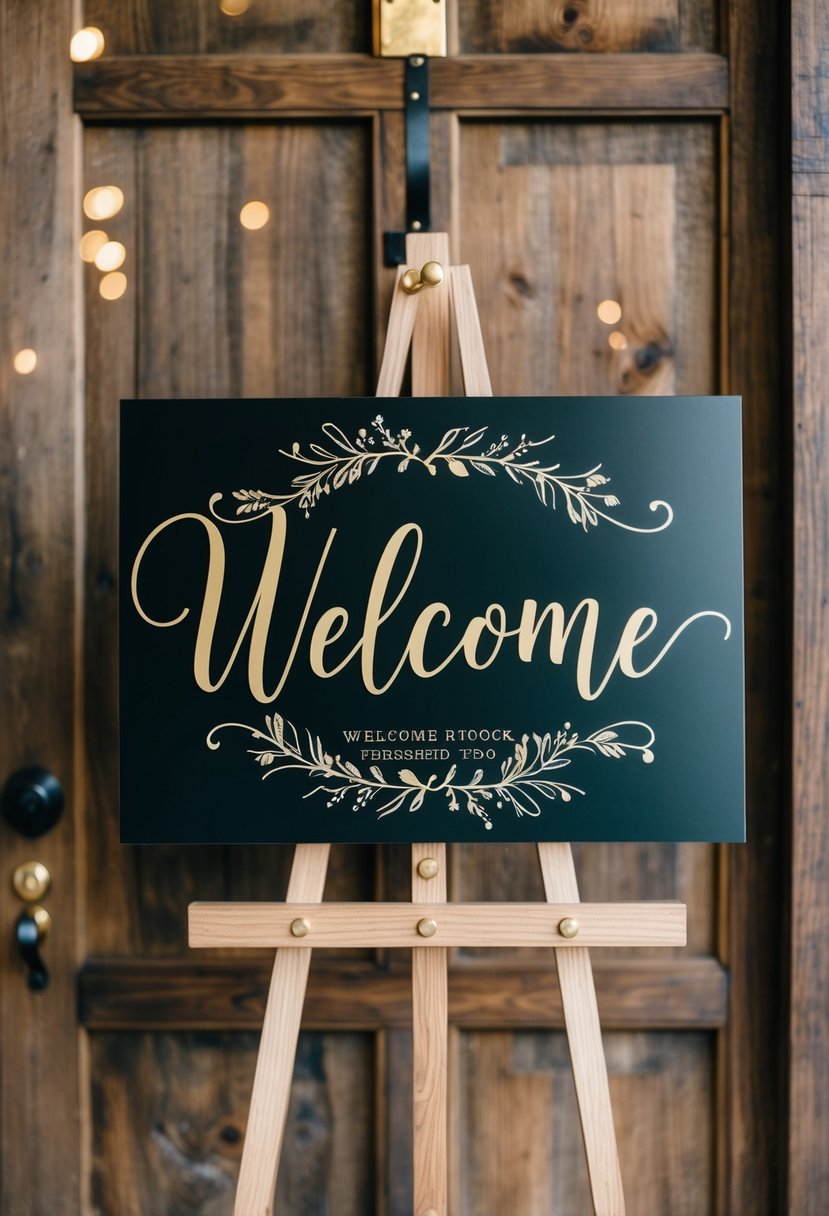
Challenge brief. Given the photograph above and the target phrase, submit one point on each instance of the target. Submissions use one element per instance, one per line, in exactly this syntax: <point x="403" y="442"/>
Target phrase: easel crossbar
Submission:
<point x="398" y="925"/>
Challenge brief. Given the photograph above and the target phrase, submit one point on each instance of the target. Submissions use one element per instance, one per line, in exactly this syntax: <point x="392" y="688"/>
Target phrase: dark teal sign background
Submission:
<point x="507" y="505"/>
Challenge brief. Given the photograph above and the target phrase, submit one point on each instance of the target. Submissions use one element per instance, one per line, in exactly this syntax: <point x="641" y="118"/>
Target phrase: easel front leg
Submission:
<point x="430" y="1018"/>
<point x="584" y="1036"/>
<point x="277" y="1048"/>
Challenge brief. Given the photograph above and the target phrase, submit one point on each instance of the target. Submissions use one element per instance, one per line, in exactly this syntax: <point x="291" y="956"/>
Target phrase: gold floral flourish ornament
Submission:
<point x="525" y="776"/>
<point x="345" y="461"/>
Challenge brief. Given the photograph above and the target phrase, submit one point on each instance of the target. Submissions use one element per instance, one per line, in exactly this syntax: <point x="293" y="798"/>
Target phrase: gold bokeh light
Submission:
<point x="617" y="340"/>
<point x="102" y="202"/>
<point x="254" y="215"/>
<point x="610" y="311"/>
<point x="91" y="243"/>
<point x="234" y="8"/>
<point x="86" y="44"/>
<point x="25" y="361"/>
<point x="113" y="286"/>
<point x="110" y="256"/>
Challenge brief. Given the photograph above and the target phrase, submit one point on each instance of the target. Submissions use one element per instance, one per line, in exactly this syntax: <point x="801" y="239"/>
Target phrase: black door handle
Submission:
<point x="32" y="926"/>
<point x="32" y="800"/>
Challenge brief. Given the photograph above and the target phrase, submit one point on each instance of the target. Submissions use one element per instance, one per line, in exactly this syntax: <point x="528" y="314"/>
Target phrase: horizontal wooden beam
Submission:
<point x="580" y="82"/>
<point x="176" y="87"/>
<point x="230" y="994"/>
<point x="398" y="925"/>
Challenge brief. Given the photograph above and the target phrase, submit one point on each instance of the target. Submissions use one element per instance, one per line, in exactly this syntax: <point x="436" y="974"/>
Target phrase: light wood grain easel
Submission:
<point x="430" y="924"/>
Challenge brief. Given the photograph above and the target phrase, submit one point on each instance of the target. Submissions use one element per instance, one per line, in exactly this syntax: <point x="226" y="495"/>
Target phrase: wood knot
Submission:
<point x="644" y="366"/>
<point x="571" y="26"/>
<point x="519" y="287"/>
<point x="648" y="357"/>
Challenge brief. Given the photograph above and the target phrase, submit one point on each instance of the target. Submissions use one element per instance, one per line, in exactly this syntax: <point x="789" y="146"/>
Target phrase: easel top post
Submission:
<point x="430" y="341"/>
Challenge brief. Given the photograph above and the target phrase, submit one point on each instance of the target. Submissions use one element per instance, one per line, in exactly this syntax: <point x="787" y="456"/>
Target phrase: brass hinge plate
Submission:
<point x="409" y="27"/>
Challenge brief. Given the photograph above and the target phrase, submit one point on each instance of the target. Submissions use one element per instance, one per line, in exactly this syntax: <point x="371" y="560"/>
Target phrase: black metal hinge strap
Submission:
<point x="418" y="184"/>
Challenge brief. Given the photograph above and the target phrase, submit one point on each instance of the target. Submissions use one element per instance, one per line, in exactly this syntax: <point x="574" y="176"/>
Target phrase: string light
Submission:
<point x="110" y="256"/>
<point x="86" y="44"/>
<point x="113" y="286"/>
<point x="254" y="215"/>
<point x="610" y="311"/>
<point x="25" y="361"/>
<point x="617" y="340"/>
<point x="234" y="8"/>
<point x="102" y="202"/>
<point x="91" y="243"/>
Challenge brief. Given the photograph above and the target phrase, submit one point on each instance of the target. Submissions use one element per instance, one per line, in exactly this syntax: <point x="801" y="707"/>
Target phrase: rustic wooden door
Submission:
<point x="582" y="152"/>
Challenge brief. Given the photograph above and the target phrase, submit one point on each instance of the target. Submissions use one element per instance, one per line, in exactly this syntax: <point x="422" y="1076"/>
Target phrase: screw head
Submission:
<point x="427" y="927"/>
<point x="428" y="867"/>
<point x="432" y="274"/>
<point x="300" y="927"/>
<point x="568" y="927"/>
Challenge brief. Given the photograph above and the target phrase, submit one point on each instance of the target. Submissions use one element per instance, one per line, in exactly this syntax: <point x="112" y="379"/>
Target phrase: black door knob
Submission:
<point x="32" y="926"/>
<point x="32" y="800"/>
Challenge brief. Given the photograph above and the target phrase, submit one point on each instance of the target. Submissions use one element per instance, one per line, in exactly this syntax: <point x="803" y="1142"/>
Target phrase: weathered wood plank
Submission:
<point x="275" y="27"/>
<point x="188" y="86"/>
<point x="808" y="1133"/>
<point x="40" y="1095"/>
<point x="558" y="217"/>
<point x="521" y="1142"/>
<point x="248" y="86"/>
<point x="809" y="1007"/>
<point x="751" y="1131"/>
<point x="537" y="26"/>
<point x="394" y="1115"/>
<point x="574" y="82"/>
<point x="171" y="1112"/>
<point x="231" y="994"/>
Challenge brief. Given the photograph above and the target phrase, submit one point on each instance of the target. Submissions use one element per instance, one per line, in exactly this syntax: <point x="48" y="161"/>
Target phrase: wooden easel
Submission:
<point x="429" y="924"/>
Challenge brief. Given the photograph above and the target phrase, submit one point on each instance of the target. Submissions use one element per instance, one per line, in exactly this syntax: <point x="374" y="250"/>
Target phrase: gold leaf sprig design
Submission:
<point x="345" y="461"/>
<point x="525" y="777"/>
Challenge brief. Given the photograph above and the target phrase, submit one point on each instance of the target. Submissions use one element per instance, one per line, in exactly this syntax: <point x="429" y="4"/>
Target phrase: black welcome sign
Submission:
<point x="444" y="619"/>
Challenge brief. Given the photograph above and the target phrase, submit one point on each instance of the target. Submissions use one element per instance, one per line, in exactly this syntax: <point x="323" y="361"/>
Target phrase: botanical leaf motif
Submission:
<point x="525" y="778"/>
<point x="407" y="777"/>
<point x="278" y="728"/>
<point x="344" y="461"/>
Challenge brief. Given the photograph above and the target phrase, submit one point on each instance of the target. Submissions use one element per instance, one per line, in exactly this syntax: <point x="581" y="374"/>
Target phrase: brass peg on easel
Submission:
<point x="431" y="275"/>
